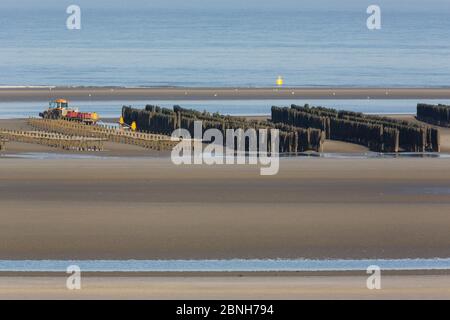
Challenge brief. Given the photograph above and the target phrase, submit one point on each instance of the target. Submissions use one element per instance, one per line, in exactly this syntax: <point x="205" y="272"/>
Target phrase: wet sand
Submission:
<point x="223" y="288"/>
<point x="180" y="93"/>
<point x="151" y="209"/>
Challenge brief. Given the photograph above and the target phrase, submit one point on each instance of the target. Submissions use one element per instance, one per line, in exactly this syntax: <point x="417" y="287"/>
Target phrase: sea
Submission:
<point x="225" y="43"/>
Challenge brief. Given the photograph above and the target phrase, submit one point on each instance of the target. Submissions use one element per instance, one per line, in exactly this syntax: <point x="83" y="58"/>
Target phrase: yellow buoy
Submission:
<point x="121" y="121"/>
<point x="133" y="126"/>
<point x="280" y="81"/>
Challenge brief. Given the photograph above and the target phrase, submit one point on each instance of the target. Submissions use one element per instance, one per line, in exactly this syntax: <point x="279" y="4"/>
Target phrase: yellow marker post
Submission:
<point x="133" y="126"/>
<point x="280" y="81"/>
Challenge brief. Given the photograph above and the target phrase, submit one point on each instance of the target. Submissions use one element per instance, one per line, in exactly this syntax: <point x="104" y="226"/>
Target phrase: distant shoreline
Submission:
<point x="39" y="93"/>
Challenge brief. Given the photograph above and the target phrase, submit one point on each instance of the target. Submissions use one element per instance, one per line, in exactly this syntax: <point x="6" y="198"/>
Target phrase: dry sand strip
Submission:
<point x="223" y="288"/>
<point x="152" y="209"/>
<point x="180" y="93"/>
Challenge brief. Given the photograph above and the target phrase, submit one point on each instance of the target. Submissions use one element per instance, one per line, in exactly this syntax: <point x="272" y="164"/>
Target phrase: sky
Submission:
<point x="332" y="5"/>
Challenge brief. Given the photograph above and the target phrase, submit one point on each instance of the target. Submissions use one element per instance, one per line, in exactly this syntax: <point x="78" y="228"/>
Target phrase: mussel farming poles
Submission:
<point x="54" y="140"/>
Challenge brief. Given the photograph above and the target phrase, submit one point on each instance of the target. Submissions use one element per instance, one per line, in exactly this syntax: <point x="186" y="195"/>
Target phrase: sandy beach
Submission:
<point x="151" y="209"/>
<point x="230" y="287"/>
<point x="131" y="203"/>
<point x="138" y="205"/>
<point x="180" y="93"/>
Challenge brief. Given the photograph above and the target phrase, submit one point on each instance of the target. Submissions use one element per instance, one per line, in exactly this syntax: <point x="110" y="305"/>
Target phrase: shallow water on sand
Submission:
<point x="113" y="109"/>
<point x="367" y="155"/>
<point x="222" y="265"/>
<point x="52" y="156"/>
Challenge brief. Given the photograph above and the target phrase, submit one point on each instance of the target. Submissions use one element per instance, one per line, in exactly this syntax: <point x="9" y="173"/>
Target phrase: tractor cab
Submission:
<point x="58" y="104"/>
<point x="57" y="109"/>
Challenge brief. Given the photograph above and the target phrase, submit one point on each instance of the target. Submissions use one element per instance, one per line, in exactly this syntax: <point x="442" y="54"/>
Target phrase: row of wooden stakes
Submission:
<point x="145" y="140"/>
<point x="3" y="144"/>
<point x="54" y="140"/>
<point x="380" y="134"/>
<point x="434" y="114"/>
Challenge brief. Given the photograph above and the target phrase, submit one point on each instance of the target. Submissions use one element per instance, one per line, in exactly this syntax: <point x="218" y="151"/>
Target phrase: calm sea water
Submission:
<point x="226" y="46"/>
<point x="113" y="109"/>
